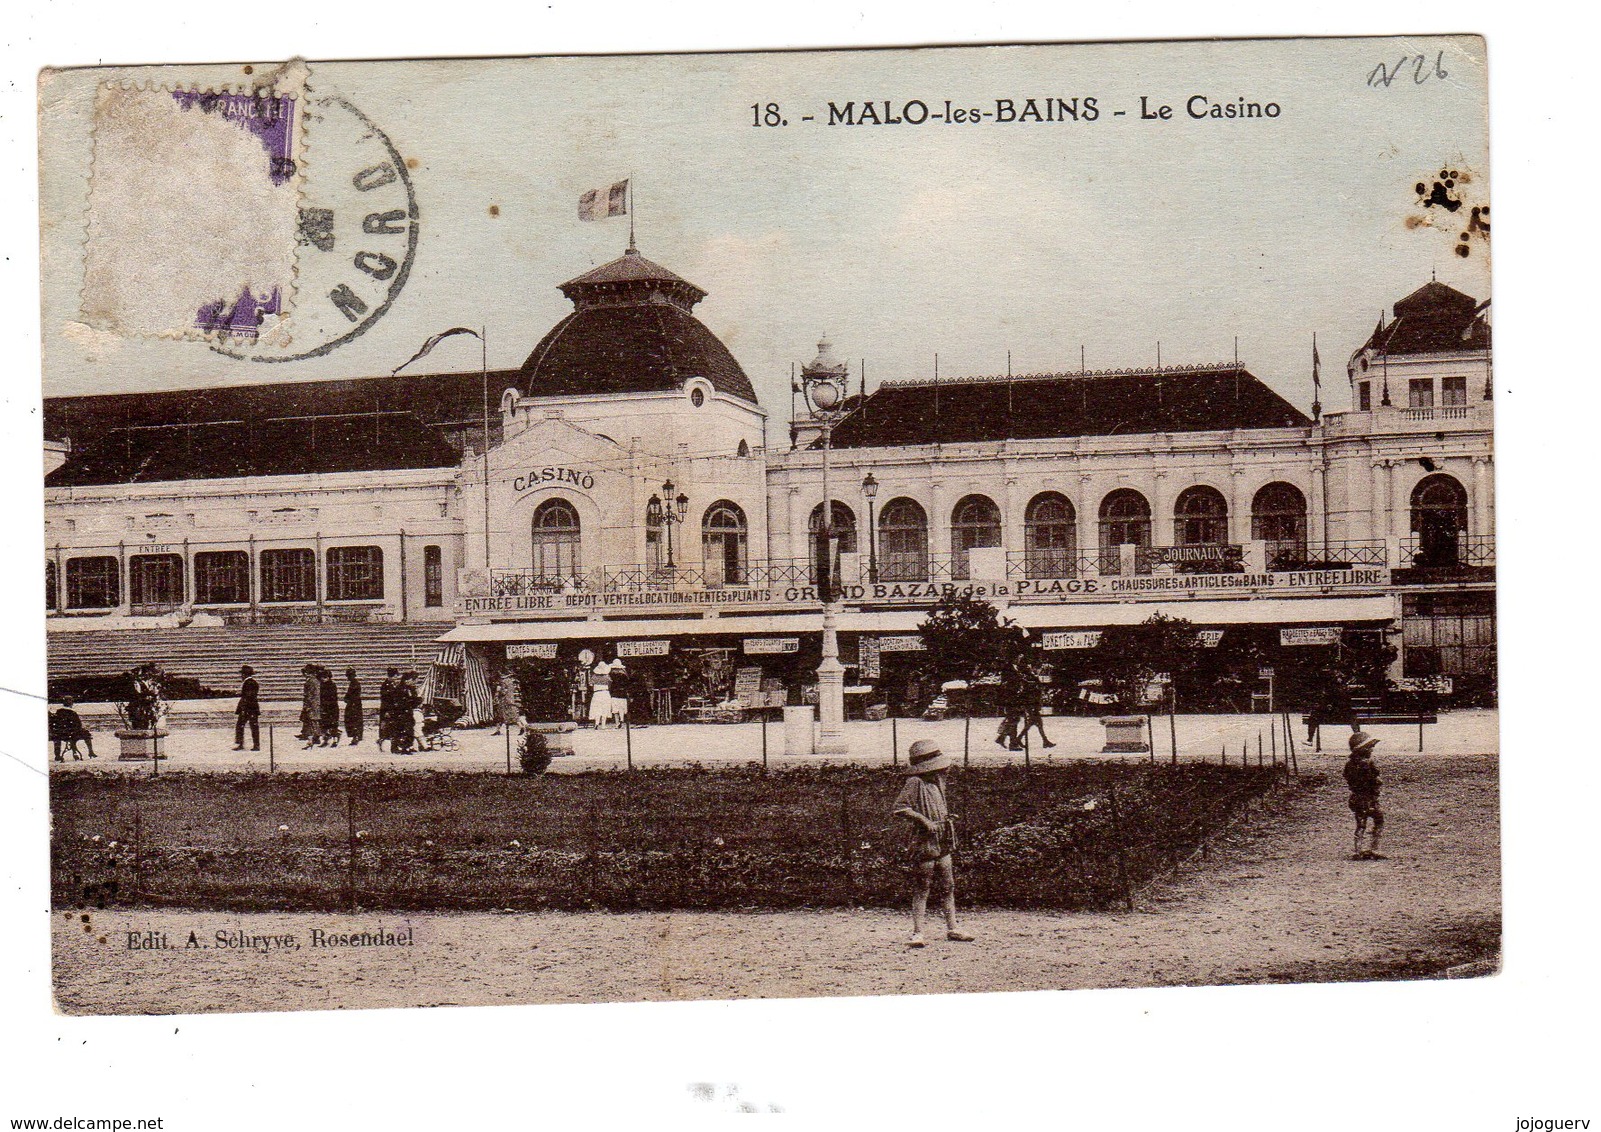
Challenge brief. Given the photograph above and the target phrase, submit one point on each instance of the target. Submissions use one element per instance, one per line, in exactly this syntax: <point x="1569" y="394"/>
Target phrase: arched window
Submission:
<point x="1125" y="520"/>
<point x="723" y="543"/>
<point x="743" y="449"/>
<point x="1278" y="518"/>
<point x="903" y="541"/>
<point x="557" y="543"/>
<point x="1439" y="520"/>
<point x="844" y="533"/>
<point x="975" y="523"/>
<point x="1050" y="544"/>
<point x="1200" y="517"/>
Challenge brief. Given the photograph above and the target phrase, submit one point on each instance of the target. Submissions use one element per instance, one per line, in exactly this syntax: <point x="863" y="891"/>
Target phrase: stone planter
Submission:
<point x="1125" y="735"/>
<point x="141" y="744"/>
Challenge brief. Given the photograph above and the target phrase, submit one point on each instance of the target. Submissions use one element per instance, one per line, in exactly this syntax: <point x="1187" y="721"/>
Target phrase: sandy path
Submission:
<point x="1279" y="903"/>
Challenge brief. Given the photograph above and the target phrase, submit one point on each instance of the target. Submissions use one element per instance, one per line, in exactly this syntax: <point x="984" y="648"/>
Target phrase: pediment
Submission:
<point x="556" y="441"/>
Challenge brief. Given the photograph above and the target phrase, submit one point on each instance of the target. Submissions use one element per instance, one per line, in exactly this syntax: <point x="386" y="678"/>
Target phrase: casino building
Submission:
<point x="623" y="492"/>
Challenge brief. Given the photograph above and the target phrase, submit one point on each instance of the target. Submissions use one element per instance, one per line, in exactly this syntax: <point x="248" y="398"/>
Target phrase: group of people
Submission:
<point x="1022" y="699"/>
<point x="320" y="714"/>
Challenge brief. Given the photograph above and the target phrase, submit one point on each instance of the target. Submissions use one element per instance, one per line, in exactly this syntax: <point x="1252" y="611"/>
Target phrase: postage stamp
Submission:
<point x="193" y="209"/>
<point x="814" y="523"/>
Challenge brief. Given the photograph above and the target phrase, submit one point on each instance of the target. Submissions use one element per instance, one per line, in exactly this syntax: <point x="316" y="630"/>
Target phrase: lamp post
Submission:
<point x="824" y="384"/>
<point x="870" y="492"/>
<point x="667" y="510"/>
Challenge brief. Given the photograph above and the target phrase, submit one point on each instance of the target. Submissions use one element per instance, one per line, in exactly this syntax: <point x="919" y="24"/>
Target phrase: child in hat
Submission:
<point x="922" y="803"/>
<point x="1363" y="779"/>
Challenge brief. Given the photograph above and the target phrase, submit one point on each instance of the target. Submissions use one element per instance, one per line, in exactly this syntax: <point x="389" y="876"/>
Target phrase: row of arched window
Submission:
<point x="1050" y="530"/>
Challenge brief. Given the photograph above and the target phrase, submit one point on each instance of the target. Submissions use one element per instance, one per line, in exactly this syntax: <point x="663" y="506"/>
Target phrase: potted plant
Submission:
<point x="143" y="710"/>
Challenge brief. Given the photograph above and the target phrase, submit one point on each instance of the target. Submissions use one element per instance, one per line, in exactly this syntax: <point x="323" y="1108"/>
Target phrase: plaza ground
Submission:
<point x="209" y="746"/>
<point x="1278" y="900"/>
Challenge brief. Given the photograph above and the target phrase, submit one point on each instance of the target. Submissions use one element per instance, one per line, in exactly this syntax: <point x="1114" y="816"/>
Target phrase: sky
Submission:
<point x="899" y="242"/>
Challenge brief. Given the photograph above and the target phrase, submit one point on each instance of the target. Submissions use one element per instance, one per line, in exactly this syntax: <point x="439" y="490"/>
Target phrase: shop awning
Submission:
<point x="892" y="621"/>
<point x="1062" y="615"/>
<point x="1236" y="611"/>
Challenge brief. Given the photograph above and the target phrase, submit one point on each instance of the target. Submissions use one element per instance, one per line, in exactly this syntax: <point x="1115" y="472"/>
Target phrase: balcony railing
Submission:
<point x="1051" y="564"/>
<point x="1448" y="553"/>
<point x="1289" y="554"/>
<point x="1436" y="413"/>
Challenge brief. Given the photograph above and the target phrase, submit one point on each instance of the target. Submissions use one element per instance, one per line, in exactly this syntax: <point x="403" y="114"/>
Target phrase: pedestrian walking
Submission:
<point x="354" y="726"/>
<point x="403" y="704"/>
<point x="66" y="727"/>
<point x="921" y="803"/>
<point x="311" y="707"/>
<point x="508" y="702"/>
<point x="1031" y="702"/>
<point x="329" y="691"/>
<point x="1363" y="779"/>
<point x="386" y="708"/>
<point x="1011" y="714"/>
<point x="247" y="712"/>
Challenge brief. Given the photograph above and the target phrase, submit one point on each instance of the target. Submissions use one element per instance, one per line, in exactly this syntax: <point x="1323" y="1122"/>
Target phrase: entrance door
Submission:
<point x="156" y="580"/>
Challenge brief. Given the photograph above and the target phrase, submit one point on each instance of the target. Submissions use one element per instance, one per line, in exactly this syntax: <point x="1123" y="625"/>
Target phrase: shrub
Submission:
<point x="534" y="753"/>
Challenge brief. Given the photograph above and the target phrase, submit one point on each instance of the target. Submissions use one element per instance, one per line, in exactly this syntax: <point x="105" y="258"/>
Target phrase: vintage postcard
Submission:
<point x="593" y="529"/>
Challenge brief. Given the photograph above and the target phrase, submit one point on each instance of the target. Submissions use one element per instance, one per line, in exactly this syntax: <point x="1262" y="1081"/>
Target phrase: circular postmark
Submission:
<point x="357" y="237"/>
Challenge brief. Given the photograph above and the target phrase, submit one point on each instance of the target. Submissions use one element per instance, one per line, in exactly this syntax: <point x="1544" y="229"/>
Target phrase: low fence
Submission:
<point x="1080" y="836"/>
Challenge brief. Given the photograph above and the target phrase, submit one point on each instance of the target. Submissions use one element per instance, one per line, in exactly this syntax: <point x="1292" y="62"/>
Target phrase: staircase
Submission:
<point x="276" y="652"/>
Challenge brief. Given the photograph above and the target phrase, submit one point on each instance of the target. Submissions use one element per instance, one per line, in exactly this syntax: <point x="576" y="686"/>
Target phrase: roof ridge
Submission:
<point x="1146" y="371"/>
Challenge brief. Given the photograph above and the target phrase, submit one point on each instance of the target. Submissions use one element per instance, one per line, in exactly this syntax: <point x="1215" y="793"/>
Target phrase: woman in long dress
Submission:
<point x="600" y="695"/>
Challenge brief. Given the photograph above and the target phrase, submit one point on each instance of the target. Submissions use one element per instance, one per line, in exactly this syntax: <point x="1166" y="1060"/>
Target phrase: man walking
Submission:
<point x="386" y="708"/>
<point x="1363" y="779"/>
<point x="1031" y="702"/>
<point x="248" y="711"/>
<point x="921" y="803"/>
<point x="353" y="722"/>
<point x="329" y="692"/>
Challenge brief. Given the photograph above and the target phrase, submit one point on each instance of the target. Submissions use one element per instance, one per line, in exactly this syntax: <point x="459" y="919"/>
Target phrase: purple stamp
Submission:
<point x="194" y="211"/>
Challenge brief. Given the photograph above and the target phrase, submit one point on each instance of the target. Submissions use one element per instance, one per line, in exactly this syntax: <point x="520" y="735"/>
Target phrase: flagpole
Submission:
<point x="631" y="245"/>
<point x="483" y="361"/>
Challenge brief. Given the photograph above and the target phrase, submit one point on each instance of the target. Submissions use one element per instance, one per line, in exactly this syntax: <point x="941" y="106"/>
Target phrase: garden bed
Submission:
<point x="1080" y="836"/>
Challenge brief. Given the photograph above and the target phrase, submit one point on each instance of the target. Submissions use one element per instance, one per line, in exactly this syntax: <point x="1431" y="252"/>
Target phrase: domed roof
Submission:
<point x="631" y="331"/>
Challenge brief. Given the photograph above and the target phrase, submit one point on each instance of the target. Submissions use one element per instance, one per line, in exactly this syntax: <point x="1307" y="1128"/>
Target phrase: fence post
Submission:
<point x="1273" y="738"/>
<point x="967" y="722"/>
<point x="628" y="742"/>
<point x="508" y="750"/>
<point x="1122" y="848"/>
<point x="1294" y="763"/>
<point x="1259" y="749"/>
<point x="350" y="833"/>
<point x="1150" y="736"/>
<point x="894" y="741"/>
<point x="1027" y="744"/>
<point x="762" y="723"/>
<point x="272" y="754"/>
<point x="138" y="836"/>
<point x="1172" y="724"/>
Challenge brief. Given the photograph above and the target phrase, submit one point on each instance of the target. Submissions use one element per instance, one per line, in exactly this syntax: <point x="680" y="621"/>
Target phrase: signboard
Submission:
<point x="533" y="650"/>
<point x="643" y="648"/>
<point x="1317" y="635"/>
<point x="867" y="667"/>
<point x="1073" y="639"/>
<point x="1028" y="590"/>
<point x="545" y="477"/>
<point x="748" y="685"/>
<point x="901" y="644"/>
<point x="1209" y="638"/>
<point x="755" y="646"/>
<point x="1171" y="555"/>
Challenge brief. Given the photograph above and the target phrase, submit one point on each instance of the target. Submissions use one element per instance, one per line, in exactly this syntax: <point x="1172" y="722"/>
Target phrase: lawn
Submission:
<point x="1078" y="836"/>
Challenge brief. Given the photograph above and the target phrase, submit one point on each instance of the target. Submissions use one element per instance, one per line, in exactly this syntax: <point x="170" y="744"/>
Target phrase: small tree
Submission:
<point x="1133" y="655"/>
<point x="967" y="639"/>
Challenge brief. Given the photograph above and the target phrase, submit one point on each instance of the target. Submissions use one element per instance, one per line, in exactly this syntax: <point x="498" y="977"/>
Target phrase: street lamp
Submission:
<point x="824" y="385"/>
<point x="665" y="510"/>
<point x="870" y="491"/>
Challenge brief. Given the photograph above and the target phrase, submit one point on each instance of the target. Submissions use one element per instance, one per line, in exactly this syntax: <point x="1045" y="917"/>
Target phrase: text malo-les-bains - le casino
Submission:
<point x="1051" y="110"/>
